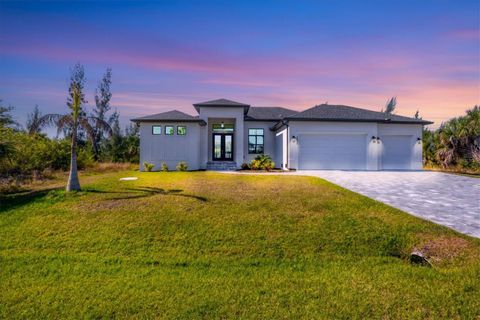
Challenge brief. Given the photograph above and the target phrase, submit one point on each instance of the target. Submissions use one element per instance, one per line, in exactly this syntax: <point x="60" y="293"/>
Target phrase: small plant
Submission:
<point x="164" y="167"/>
<point x="262" y="162"/>
<point x="148" y="166"/>
<point x="245" y="166"/>
<point x="182" y="166"/>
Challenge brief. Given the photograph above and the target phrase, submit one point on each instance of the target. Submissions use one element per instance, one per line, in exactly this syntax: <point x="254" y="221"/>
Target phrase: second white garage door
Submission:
<point x="396" y="152"/>
<point x="332" y="151"/>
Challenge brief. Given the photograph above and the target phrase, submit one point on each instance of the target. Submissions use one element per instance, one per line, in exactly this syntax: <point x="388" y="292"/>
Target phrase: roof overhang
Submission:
<point x="221" y="103"/>
<point x="423" y="122"/>
<point x="198" y="106"/>
<point x="199" y="121"/>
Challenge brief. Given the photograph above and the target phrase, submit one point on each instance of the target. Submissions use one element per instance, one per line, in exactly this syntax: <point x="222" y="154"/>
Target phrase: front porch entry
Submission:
<point x="222" y="147"/>
<point x="222" y="141"/>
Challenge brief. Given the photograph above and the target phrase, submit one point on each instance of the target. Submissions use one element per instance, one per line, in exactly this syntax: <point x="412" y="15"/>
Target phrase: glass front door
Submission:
<point x="222" y="147"/>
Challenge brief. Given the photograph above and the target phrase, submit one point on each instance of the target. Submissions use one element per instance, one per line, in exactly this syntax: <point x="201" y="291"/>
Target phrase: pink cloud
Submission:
<point x="468" y="34"/>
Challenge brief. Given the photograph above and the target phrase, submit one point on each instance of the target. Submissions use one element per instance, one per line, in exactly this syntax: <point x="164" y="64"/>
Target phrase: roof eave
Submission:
<point x="268" y="120"/>
<point x="167" y="120"/>
<point x="423" y="122"/>
<point x="197" y="106"/>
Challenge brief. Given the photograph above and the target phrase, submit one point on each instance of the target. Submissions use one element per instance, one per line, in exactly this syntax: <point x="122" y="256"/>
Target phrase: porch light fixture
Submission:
<point x="222" y="125"/>
<point x="419" y="140"/>
<point x="375" y="139"/>
<point x="294" y="139"/>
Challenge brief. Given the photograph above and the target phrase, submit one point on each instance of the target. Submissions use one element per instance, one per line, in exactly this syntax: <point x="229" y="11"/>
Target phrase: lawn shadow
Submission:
<point x="19" y="199"/>
<point x="144" y="192"/>
<point x="15" y="200"/>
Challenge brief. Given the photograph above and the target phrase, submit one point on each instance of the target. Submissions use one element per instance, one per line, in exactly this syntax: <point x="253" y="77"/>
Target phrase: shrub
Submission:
<point x="262" y="162"/>
<point x="25" y="154"/>
<point x="255" y="165"/>
<point x="164" y="167"/>
<point x="85" y="159"/>
<point x="182" y="166"/>
<point x="245" y="166"/>
<point x="148" y="166"/>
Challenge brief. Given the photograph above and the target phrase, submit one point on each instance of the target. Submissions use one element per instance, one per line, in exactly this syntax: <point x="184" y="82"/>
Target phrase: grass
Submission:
<point x="472" y="173"/>
<point x="207" y="245"/>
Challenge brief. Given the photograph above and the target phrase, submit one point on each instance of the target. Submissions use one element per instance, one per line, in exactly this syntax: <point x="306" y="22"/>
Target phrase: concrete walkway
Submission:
<point x="447" y="199"/>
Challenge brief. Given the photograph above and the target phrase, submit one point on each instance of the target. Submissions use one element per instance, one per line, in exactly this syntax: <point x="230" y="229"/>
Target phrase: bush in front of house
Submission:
<point x="262" y="162"/>
<point x="148" y="166"/>
<point x="164" y="167"/>
<point x="182" y="166"/>
<point x="245" y="166"/>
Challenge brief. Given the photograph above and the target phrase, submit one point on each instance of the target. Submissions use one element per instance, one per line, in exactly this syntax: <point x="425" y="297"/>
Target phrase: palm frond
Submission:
<point x="65" y="121"/>
<point x="60" y="121"/>
<point x="87" y="127"/>
<point x="100" y="124"/>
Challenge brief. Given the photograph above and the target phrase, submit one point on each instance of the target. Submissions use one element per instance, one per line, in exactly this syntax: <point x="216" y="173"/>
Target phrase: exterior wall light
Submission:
<point x="222" y="125"/>
<point x="419" y="140"/>
<point x="375" y="139"/>
<point x="294" y="139"/>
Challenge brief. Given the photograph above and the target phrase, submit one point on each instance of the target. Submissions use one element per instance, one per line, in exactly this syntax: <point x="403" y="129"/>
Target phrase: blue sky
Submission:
<point x="296" y="54"/>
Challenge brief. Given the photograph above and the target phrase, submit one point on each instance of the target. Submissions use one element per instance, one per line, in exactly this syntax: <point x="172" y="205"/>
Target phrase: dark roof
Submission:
<point x="327" y="112"/>
<point x="173" y="115"/>
<point x="268" y="113"/>
<point x="221" y="103"/>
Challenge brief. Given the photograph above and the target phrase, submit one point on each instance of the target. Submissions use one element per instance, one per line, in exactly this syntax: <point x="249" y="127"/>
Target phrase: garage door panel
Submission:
<point x="332" y="151"/>
<point x="396" y="152"/>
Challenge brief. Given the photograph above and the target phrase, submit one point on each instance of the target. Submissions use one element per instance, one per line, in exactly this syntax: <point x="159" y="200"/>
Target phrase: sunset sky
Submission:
<point x="295" y="54"/>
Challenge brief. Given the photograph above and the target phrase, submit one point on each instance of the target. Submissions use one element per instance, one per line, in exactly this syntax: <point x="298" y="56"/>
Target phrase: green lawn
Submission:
<point x="208" y="245"/>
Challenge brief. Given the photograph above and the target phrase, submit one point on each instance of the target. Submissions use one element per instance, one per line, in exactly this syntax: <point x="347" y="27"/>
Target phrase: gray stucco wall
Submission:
<point x="374" y="150"/>
<point x="269" y="138"/>
<point x="237" y="116"/>
<point x="170" y="149"/>
<point x="195" y="147"/>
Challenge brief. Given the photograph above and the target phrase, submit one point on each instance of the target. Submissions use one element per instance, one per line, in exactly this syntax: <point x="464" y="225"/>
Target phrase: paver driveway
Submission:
<point x="447" y="199"/>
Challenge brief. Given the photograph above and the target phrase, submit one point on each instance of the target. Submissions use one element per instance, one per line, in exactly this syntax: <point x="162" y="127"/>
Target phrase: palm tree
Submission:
<point x="74" y="121"/>
<point x="33" y="126"/>
<point x="390" y="106"/>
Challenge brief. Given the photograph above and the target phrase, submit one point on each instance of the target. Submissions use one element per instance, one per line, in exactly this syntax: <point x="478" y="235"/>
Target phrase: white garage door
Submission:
<point x="332" y="151"/>
<point x="396" y="152"/>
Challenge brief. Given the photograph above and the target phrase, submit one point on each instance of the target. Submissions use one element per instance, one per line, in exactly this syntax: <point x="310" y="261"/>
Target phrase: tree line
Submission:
<point x="83" y="137"/>
<point x="455" y="144"/>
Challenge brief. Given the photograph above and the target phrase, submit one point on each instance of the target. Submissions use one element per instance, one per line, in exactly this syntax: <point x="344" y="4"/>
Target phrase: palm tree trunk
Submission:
<point x="73" y="182"/>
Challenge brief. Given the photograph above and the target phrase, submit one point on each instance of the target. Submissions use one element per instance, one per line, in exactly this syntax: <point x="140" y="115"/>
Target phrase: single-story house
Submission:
<point x="226" y="134"/>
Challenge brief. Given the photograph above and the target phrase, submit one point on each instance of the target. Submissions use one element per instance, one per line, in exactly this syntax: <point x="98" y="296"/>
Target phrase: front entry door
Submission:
<point x="222" y="147"/>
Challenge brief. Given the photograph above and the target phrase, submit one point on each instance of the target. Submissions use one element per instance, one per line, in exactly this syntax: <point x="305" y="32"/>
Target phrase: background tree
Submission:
<point x="75" y="120"/>
<point x="417" y="115"/>
<point x="6" y="119"/>
<point x="132" y="143"/>
<point x="456" y="143"/>
<point x="103" y="96"/>
<point x="390" y="106"/>
<point x="115" y="143"/>
<point x="33" y="121"/>
<point x="7" y="134"/>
